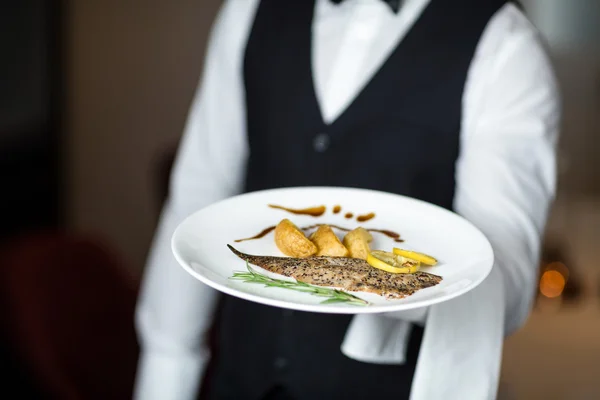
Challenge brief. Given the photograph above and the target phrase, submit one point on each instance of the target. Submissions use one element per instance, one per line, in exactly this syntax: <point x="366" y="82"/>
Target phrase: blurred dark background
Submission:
<point x="31" y="110"/>
<point x="93" y="99"/>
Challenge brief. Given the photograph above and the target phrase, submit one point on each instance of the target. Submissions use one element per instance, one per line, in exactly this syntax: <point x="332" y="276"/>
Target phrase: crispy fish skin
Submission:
<point x="350" y="274"/>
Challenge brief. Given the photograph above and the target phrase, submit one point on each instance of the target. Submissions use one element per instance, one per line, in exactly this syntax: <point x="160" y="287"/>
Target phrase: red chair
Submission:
<point x="67" y="314"/>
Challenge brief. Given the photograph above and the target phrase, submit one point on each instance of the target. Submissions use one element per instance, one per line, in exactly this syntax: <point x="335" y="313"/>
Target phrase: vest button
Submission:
<point x="321" y="142"/>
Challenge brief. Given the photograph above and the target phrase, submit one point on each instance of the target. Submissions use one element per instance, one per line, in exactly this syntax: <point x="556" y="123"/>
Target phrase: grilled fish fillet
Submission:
<point x="350" y="274"/>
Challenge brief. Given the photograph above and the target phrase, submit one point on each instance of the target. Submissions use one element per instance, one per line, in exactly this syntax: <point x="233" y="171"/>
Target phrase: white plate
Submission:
<point x="200" y="243"/>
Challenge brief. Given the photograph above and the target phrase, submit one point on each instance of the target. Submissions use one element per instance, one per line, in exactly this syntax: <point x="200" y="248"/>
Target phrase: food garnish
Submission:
<point x="414" y="255"/>
<point x="333" y="295"/>
<point x="391" y="262"/>
<point x="292" y="242"/>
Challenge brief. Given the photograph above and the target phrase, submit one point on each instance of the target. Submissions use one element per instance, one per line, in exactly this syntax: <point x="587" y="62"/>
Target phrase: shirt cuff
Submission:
<point x="166" y="377"/>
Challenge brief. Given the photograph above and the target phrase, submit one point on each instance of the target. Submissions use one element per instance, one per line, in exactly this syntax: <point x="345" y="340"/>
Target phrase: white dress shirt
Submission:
<point x="505" y="182"/>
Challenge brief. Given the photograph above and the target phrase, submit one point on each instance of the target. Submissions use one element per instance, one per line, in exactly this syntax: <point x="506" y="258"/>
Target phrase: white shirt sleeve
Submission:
<point x="174" y="310"/>
<point x="506" y="172"/>
<point x="505" y="184"/>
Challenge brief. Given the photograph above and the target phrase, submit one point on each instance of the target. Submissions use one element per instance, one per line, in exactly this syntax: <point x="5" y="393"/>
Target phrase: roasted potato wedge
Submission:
<point x="292" y="241"/>
<point x="328" y="243"/>
<point x="357" y="242"/>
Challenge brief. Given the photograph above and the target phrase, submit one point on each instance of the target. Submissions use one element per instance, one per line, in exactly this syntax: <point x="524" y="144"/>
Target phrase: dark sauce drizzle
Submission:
<point x="366" y="217"/>
<point x="313" y="211"/>
<point x="317" y="212"/>
<point x="386" y="232"/>
<point x="259" y="235"/>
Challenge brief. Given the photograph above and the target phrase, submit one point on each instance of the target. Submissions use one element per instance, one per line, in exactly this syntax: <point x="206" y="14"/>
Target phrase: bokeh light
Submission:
<point x="553" y="280"/>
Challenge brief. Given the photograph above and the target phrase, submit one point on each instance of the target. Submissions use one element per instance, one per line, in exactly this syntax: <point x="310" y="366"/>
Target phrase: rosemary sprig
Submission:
<point x="333" y="295"/>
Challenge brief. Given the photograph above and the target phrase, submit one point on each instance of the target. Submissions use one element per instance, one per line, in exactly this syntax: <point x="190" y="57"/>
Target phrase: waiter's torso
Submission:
<point x="399" y="134"/>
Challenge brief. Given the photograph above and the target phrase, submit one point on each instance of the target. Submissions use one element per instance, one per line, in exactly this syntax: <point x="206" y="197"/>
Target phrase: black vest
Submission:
<point x="400" y="134"/>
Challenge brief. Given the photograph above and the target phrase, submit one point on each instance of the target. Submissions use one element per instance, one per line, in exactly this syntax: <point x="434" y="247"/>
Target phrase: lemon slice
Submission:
<point x="391" y="262"/>
<point x="424" y="258"/>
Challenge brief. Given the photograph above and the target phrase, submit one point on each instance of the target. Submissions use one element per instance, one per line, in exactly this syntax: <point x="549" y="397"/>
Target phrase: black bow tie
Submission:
<point x="394" y="4"/>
